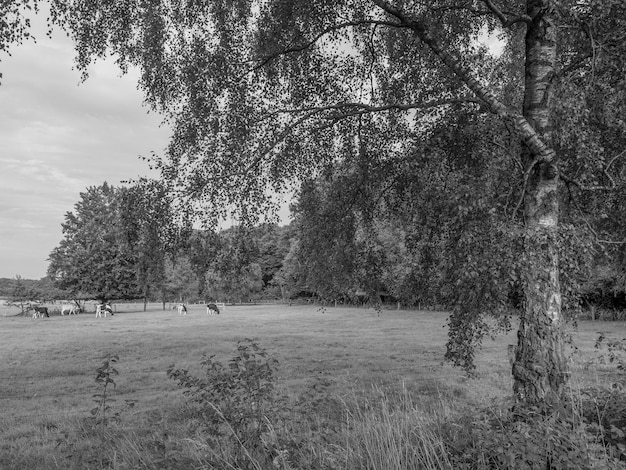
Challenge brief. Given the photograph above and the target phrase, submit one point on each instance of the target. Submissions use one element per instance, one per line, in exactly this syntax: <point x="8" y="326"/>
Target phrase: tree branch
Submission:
<point x="605" y="170"/>
<point x="311" y="42"/>
<point x="591" y="229"/>
<point x="574" y="64"/>
<point x="506" y="22"/>
<point x="525" y="130"/>
<point x="525" y="183"/>
<point x="365" y="108"/>
<point x="257" y="161"/>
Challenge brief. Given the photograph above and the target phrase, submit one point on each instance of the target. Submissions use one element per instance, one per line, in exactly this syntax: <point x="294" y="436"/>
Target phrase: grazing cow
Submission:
<point x="103" y="308"/>
<point x="70" y="309"/>
<point x="39" y="312"/>
<point x="211" y="309"/>
<point x="182" y="309"/>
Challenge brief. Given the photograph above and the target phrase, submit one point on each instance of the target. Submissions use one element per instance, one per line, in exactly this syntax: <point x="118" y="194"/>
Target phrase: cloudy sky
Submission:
<point x="58" y="137"/>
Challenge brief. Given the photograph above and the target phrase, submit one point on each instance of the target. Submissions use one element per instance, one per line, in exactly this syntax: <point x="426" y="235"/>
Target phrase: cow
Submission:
<point x="182" y="309"/>
<point x="70" y="309"/>
<point x="39" y="312"/>
<point x="211" y="309"/>
<point x="103" y="308"/>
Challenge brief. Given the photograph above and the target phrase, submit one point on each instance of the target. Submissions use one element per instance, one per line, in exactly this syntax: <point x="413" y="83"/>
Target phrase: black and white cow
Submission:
<point x="103" y="308"/>
<point x="182" y="309"/>
<point x="212" y="309"/>
<point x="39" y="312"/>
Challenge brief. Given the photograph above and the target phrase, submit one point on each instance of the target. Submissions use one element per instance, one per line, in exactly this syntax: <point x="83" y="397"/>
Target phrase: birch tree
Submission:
<point x="262" y="93"/>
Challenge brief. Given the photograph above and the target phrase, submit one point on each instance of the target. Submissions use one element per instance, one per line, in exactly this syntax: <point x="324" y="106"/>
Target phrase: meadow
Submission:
<point x="336" y="358"/>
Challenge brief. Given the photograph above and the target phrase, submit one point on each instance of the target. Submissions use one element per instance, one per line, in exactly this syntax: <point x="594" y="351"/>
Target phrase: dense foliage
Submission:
<point x="93" y="260"/>
<point x="128" y="243"/>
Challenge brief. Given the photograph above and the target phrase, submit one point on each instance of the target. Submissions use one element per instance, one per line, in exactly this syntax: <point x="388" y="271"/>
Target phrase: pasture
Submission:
<point x="48" y="365"/>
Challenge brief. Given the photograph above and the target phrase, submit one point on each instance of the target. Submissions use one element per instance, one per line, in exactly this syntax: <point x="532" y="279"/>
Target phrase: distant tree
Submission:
<point x="181" y="279"/>
<point x="326" y="228"/>
<point x="273" y="243"/>
<point x="235" y="273"/>
<point x="93" y="259"/>
<point x="20" y="295"/>
<point x="6" y="286"/>
<point x="290" y="278"/>
<point x="47" y="290"/>
<point x="236" y="284"/>
<point x="202" y="249"/>
<point x="40" y="288"/>
<point x="348" y="242"/>
<point x="150" y="234"/>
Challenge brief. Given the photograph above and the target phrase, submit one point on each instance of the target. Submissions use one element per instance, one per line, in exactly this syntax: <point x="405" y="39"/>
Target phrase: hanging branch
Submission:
<point x="605" y="170"/>
<point x="291" y="50"/>
<point x="423" y="31"/>
<point x="506" y="22"/>
<point x="591" y="229"/>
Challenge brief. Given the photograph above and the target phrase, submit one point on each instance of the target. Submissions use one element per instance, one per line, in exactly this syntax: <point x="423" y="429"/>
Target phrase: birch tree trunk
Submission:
<point x="539" y="370"/>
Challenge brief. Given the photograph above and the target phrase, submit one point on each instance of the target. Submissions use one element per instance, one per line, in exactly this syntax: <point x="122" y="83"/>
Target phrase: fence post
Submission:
<point x="593" y="313"/>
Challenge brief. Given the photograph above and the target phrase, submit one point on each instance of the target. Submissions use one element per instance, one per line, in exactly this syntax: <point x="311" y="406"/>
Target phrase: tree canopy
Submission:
<point x="262" y="93"/>
<point x="90" y="261"/>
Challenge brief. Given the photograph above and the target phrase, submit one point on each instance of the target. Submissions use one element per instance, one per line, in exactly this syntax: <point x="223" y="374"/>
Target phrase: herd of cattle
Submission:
<point x="211" y="308"/>
<point x="71" y="309"/>
<point x="106" y="309"/>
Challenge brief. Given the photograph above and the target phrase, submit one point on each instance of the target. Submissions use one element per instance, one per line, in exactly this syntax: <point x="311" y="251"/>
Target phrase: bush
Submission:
<point x="237" y="403"/>
<point x="605" y="414"/>
<point x="604" y="409"/>
<point x="531" y="439"/>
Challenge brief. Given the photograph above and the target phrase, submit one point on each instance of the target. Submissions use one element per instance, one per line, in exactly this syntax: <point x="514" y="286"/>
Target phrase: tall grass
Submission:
<point x="385" y="431"/>
<point x="387" y="434"/>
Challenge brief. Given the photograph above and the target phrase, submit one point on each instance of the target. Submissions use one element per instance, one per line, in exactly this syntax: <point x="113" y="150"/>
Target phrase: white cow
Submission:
<point x="182" y="309"/>
<point x="70" y="309"/>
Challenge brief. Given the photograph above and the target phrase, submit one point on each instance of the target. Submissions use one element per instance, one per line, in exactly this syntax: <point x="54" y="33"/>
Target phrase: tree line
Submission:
<point x="348" y="243"/>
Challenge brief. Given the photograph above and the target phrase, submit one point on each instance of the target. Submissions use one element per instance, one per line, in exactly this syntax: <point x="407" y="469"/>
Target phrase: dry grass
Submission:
<point x="48" y="369"/>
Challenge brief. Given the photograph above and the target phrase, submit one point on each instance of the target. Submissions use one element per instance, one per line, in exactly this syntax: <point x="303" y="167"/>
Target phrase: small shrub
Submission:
<point x="554" y="438"/>
<point x="615" y="352"/>
<point x="604" y="409"/>
<point x="236" y="402"/>
<point x="104" y="376"/>
<point x="605" y="414"/>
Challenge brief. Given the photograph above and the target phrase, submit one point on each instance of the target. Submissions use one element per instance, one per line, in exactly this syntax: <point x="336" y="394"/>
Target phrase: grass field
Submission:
<point x="48" y="366"/>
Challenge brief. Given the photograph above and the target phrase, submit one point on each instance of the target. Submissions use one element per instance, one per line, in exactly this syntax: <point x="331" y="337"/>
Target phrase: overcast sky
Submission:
<point x="58" y="137"/>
